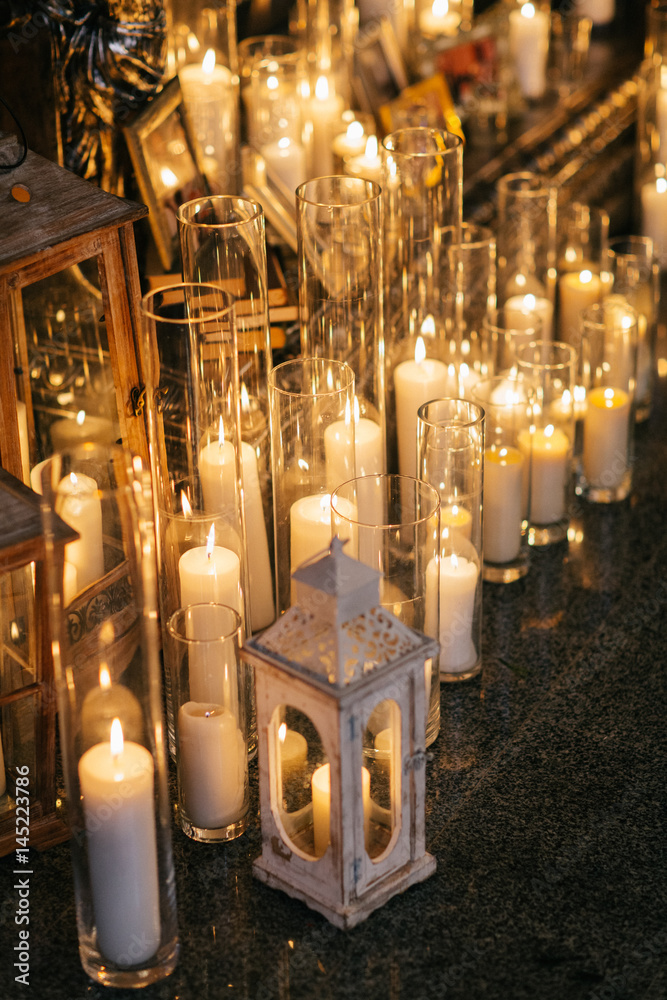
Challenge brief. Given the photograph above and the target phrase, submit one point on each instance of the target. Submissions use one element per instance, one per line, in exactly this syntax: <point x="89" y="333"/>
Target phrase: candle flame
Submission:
<point x="325" y="503"/>
<point x="185" y="505"/>
<point x="245" y="398"/>
<point x="355" y="130"/>
<point x="440" y="8"/>
<point x="371" y="150"/>
<point x="585" y="277"/>
<point x="454" y="560"/>
<point x="105" y="677"/>
<point x="420" y="350"/>
<point x="221" y="433"/>
<point x="208" y="62"/>
<point x="661" y="185"/>
<point x="168" y="177"/>
<point x="285" y="142"/>
<point x="529" y="302"/>
<point x="116" y="738"/>
<point x="210" y="542"/>
<point x="357" y="411"/>
<point x="548" y="430"/>
<point x="272" y="82"/>
<point x="528" y="10"/>
<point x="282" y="732"/>
<point x="609" y="397"/>
<point x="322" y="88"/>
<point x="428" y="326"/>
<point x="80" y="417"/>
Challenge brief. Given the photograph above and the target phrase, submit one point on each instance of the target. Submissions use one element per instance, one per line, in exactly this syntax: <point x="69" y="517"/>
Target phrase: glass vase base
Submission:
<point x="605" y="494"/>
<point x="506" y="572"/>
<point x="212" y="836"/>
<point x="451" y="676"/>
<point x="547" y="534"/>
<point x="131" y="978"/>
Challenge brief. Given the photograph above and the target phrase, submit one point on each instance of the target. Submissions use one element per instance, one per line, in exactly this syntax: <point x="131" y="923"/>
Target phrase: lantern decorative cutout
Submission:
<point x="340" y="720"/>
<point x="27" y="698"/>
<point x="68" y="348"/>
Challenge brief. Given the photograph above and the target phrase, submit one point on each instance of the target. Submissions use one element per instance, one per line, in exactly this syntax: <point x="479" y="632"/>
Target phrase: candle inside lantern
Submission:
<point x="117" y="788"/>
<point x="79" y="506"/>
<point x="77" y="429"/>
<point x="321" y="790"/>
<point x="211" y="765"/>
<point x="503" y="474"/>
<point x="606" y="427"/>
<point x="293" y="751"/>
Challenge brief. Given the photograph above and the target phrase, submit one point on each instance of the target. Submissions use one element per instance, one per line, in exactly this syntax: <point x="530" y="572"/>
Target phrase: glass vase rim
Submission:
<point x="514" y="378"/>
<point x="485" y="237"/>
<point x="425" y="490"/>
<point x="606" y="308"/>
<point x="344" y="368"/>
<point x="256" y="213"/>
<point x="472" y="422"/>
<point x="372" y="189"/>
<point x="195" y="640"/>
<point x="453" y="142"/>
<point x="631" y="240"/>
<point x="552" y="346"/>
<point x="219" y="313"/>
<point x="539" y="185"/>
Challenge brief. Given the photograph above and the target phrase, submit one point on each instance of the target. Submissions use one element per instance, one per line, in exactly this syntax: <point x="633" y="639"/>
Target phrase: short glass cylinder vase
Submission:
<point x="450" y="454"/>
<point x="339" y="229"/>
<point x="392" y="523"/>
<point x="548" y="445"/>
<point x="313" y="451"/>
<point x="507" y="401"/>
<point x="211" y="688"/>
<point x="607" y="371"/>
<point x="106" y="658"/>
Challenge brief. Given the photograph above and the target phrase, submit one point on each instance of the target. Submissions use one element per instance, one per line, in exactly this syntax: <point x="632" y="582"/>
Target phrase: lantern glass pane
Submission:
<point x="382" y="752"/>
<point x="298" y="753"/>
<point x="17" y="630"/>
<point x="18" y="757"/>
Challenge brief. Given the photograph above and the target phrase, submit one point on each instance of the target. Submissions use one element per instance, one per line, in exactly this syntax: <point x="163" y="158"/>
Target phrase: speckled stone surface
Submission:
<point x="546" y="813"/>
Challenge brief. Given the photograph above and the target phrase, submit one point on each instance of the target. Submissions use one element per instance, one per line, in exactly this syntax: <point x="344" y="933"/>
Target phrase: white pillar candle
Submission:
<point x="529" y="45"/>
<point x="321" y="791"/>
<point x="520" y="311"/>
<point x="606" y="427"/>
<point x="455" y="520"/>
<point x="286" y="159"/>
<point x="438" y="20"/>
<point x="310" y="528"/>
<point x="324" y="111"/>
<point x="350" y="143"/>
<point x="24" y="441"/>
<point x="105" y="703"/>
<point x="211" y="765"/>
<point x="547" y="454"/>
<point x="79" y="506"/>
<point x="293" y="750"/>
<point x="209" y="96"/>
<point x="416" y="382"/>
<point x="210" y="574"/>
<point x="368" y="458"/>
<point x="71" y="431"/>
<point x="457" y="579"/>
<point x="503" y="472"/>
<point x="654" y="216"/>
<point x="217" y="471"/>
<point x="576" y="291"/>
<point x="117" y="780"/>
<point x="368" y="164"/>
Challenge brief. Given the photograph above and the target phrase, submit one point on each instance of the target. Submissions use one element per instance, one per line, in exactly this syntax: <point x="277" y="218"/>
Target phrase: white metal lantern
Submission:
<point x="340" y="720"/>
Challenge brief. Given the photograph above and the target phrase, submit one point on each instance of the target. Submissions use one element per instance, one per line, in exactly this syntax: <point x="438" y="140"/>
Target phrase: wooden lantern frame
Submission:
<point x="52" y="220"/>
<point x="22" y="543"/>
<point x="345" y="884"/>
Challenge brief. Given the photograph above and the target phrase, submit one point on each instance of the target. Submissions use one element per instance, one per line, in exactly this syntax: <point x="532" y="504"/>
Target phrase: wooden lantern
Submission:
<point x="27" y="697"/>
<point x="53" y="220"/>
<point x="341" y="737"/>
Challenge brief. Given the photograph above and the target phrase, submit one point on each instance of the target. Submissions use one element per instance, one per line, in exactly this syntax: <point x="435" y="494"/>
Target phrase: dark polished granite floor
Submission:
<point x="546" y="813"/>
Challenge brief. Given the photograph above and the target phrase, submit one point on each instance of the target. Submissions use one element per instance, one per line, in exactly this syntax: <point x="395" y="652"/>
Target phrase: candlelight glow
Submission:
<point x="80" y="417"/>
<point x="355" y="130"/>
<point x="371" y="147"/>
<point x="210" y="542"/>
<point x="420" y="350"/>
<point x="221" y="433"/>
<point x="585" y="277"/>
<point x="185" y="505"/>
<point x="528" y="10"/>
<point x="322" y="88"/>
<point x="548" y="430"/>
<point x="282" y="732"/>
<point x="168" y="177"/>
<point x="245" y="398"/>
<point x="105" y="677"/>
<point x="116" y="738"/>
<point x="272" y="82"/>
<point x="208" y="62"/>
<point x="284" y="142"/>
<point x="661" y="185"/>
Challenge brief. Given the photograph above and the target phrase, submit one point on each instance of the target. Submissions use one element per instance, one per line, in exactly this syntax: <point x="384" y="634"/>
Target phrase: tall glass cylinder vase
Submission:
<point x="583" y="276"/>
<point x="650" y="176"/>
<point x="634" y="273"/>
<point x="526" y="228"/>
<point x="223" y="241"/>
<point x="204" y="52"/>
<point x="313" y="449"/>
<point x="392" y="524"/>
<point x="422" y="196"/>
<point x="106" y="657"/>
<point x="451" y="458"/>
<point x="339" y="228"/>
<point x="194" y="433"/>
